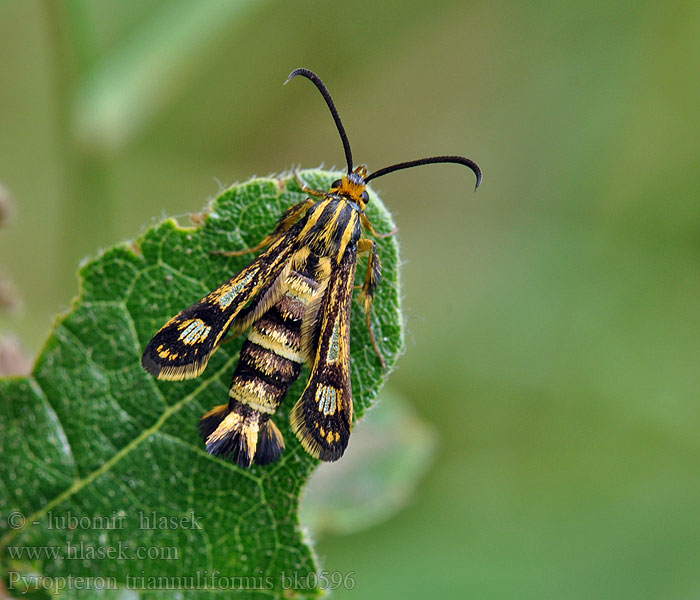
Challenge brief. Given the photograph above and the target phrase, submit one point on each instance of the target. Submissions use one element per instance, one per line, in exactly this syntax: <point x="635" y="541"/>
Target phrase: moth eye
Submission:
<point x="336" y="183"/>
<point x="365" y="197"/>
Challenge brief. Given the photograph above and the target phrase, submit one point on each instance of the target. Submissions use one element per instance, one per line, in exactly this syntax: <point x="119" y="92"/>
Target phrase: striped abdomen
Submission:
<point x="270" y="361"/>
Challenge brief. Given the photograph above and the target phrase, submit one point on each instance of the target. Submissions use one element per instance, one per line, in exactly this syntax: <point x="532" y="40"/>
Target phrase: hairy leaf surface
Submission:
<point x="101" y="460"/>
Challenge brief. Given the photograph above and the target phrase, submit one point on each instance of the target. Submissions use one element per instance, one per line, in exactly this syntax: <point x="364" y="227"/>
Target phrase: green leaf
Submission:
<point x="91" y="436"/>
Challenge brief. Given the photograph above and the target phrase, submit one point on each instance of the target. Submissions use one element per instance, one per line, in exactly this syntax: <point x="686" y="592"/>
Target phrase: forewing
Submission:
<point x="183" y="346"/>
<point x="322" y="417"/>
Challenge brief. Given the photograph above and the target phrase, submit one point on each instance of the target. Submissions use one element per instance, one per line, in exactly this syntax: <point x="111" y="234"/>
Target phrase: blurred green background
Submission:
<point x="552" y="317"/>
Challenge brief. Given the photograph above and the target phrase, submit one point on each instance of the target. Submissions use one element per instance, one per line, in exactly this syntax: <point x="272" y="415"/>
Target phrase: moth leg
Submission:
<point x="307" y="190"/>
<point x="372" y="278"/>
<point x="288" y="218"/>
<point x="367" y="224"/>
<point x="267" y="241"/>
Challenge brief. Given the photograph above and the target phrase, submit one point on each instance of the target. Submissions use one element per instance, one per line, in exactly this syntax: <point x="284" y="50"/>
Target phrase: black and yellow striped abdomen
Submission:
<point x="270" y="361"/>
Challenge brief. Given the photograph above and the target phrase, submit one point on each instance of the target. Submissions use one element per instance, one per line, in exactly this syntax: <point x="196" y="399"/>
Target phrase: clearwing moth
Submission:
<point x="295" y="300"/>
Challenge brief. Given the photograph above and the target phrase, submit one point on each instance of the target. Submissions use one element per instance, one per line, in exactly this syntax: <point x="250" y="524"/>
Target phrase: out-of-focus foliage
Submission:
<point x="552" y="316"/>
<point x="390" y="452"/>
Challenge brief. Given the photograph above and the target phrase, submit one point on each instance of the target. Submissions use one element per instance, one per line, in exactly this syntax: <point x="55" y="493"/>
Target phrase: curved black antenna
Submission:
<point x="316" y="80"/>
<point x="460" y="160"/>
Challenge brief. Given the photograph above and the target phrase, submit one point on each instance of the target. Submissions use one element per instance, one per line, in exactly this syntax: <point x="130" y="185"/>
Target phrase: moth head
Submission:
<point x="353" y="187"/>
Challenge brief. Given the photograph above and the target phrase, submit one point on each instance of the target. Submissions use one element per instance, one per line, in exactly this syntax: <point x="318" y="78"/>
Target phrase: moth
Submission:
<point x="294" y="300"/>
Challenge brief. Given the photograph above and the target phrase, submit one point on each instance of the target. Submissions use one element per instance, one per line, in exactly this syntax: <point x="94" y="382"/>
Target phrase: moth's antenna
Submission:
<point x="460" y="160"/>
<point x="316" y="80"/>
